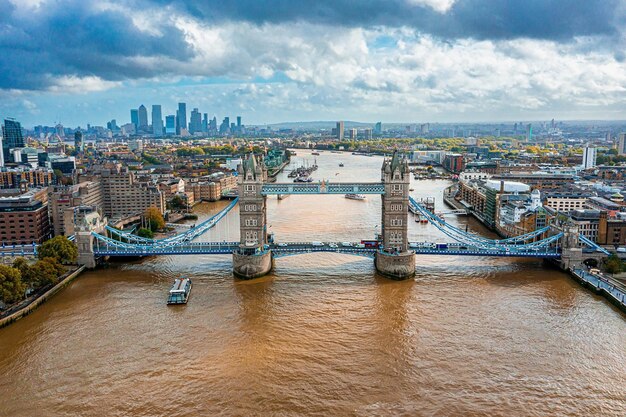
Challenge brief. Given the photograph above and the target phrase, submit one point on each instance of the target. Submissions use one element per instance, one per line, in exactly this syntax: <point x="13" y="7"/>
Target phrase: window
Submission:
<point x="251" y="222"/>
<point x="250" y="187"/>
<point x="249" y="207"/>
<point x="396" y="222"/>
<point x="396" y="207"/>
<point x="397" y="187"/>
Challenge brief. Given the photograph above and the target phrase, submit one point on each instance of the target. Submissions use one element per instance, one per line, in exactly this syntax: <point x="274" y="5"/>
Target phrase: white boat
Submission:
<point x="179" y="293"/>
<point x="355" y="196"/>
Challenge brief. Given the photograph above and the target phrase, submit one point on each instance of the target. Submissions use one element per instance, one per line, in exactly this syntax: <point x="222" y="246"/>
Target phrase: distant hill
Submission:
<point x="317" y="125"/>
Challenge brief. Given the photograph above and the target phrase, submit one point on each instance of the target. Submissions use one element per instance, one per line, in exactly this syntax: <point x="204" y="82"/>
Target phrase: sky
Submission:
<point x="89" y="61"/>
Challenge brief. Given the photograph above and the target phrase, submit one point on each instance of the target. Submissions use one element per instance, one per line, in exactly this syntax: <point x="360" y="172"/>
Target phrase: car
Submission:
<point x="282" y="245"/>
<point x="621" y="249"/>
<point x="317" y="243"/>
<point x="332" y="245"/>
<point x="346" y="244"/>
<point x="360" y="245"/>
<point x="414" y="245"/>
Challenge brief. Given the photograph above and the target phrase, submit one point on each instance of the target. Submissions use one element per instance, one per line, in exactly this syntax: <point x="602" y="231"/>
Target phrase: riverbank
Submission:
<point x="37" y="301"/>
<point x="610" y="289"/>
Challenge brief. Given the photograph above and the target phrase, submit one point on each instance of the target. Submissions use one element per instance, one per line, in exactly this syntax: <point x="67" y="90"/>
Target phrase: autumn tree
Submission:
<point x="60" y="248"/>
<point x="11" y="286"/>
<point x="154" y="218"/>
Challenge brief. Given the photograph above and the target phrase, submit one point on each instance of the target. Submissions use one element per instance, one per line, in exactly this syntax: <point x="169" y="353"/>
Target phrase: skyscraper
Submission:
<point x="205" y="123"/>
<point x="340" y="130"/>
<point x="621" y="147"/>
<point x="157" y="120"/>
<point x="589" y="157"/>
<point x="134" y="117"/>
<point x="170" y="124"/>
<point x="143" y="118"/>
<point x="78" y="141"/>
<point x="195" y="121"/>
<point x="239" y="124"/>
<point x="529" y="132"/>
<point x="182" y="116"/>
<point x="11" y="138"/>
<point x="378" y="128"/>
<point x="225" y="126"/>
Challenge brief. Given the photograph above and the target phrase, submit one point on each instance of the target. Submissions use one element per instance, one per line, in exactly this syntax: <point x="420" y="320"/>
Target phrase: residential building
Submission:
<point x="564" y="202"/>
<point x="64" y="198"/>
<point x="340" y="130"/>
<point x="589" y="157"/>
<point x="454" y="162"/>
<point x="24" y="218"/>
<point x="621" y="148"/>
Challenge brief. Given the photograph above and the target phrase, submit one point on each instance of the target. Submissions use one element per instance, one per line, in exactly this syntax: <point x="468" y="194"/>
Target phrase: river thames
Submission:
<point x="323" y="334"/>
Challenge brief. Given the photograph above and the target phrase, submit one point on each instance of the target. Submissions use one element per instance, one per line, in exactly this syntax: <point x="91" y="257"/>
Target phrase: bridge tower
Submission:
<point x="252" y="259"/>
<point x="395" y="260"/>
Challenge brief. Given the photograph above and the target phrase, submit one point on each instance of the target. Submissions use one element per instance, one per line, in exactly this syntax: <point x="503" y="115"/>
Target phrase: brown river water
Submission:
<point x="323" y="335"/>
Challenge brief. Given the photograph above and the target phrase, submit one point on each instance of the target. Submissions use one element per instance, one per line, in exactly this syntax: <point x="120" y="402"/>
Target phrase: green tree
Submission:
<point x="11" y="286"/>
<point x="28" y="277"/>
<point x="60" y="248"/>
<point x="613" y="264"/>
<point x="147" y="233"/>
<point x="47" y="271"/>
<point x="177" y="202"/>
<point x="154" y="218"/>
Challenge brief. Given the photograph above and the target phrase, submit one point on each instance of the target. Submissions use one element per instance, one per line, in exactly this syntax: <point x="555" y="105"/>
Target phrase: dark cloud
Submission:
<point x="75" y="40"/>
<point x="479" y="19"/>
<point x="71" y="37"/>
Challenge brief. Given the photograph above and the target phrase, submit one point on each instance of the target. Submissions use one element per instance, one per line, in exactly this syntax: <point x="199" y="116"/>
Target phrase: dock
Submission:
<point x="611" y="289"/>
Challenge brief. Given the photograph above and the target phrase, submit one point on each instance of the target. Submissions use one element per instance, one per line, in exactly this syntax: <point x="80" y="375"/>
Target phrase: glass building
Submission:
<point x="11" y="138"/>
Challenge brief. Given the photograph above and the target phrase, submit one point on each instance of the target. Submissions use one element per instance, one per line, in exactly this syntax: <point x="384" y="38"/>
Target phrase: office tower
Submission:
<point x="11" y="138"/>
<point x="340" y="130"/>
<point x="112" y="125"/>
<point x="143" y="118"/>
<point x="213" y="124"/>
<point x="170" y="124"/>
<point x="182" y="116"/>
<point x="157" y="120"/>
<point x="529" y="132"/>
<point x="353" y="133"/>
<point x="134" y="117"/>
<point x="78" y="141"/>
<point x="378" y="128"/>
<point x="621" y="148"/>
<point x="589" y="157"/>
<point x="225" y="126"/>
<point x="205" y="123"/>
<point x="195" y="122"/>
<point x="239" y="124"/>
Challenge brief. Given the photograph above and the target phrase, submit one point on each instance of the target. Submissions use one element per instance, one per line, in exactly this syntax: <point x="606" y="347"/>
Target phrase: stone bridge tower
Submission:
<point x="252" y="259"/>
<point x="395" y="260"/>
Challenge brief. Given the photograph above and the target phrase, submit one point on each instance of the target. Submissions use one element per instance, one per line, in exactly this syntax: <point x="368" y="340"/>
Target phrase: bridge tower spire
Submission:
<point x="395" y="260"/>
<point x="252" y="259"/>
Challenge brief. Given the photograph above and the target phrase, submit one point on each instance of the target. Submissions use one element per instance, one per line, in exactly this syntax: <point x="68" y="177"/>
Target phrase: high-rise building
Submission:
<point x="112" y="125"/>
<point x="353" y="133"/>
<point x="170" y="124"/>
<point x="340" y="130"/>
<point x="589" y="157"/>
<point x="213" y="124"/>
<point x="205" y="123"/>
<point x="239" y="124"/>
<point x="529" y="132"/>
<point x="157" y="120"/>
<point x="378" y="128"/>
<point x="134" y="117"/>
<point x="621" y="147"/>
<point x="78" y="141"/>
<point x="143" y="118"/>
<point x="225" y="126"/>
<point x="11" y="138"/>
<point x="195" y="121"/>
<point x="182" y="116"/>
<point x="368" y="133"/>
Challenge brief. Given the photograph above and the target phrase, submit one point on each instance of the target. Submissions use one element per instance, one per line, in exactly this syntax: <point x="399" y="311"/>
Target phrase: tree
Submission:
<point x="11" y="286"/>
<point x="154" y="218"/>
<point x="28" y="277"/>
<point x="47" y="271"/>
<point x="60" y="248"/>
<point x="177" y="202"/>
<point x="147" y="233"/>
<point x="613" y="264"/>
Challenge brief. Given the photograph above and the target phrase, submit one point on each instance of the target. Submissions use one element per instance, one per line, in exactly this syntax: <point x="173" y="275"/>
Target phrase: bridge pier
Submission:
<point x="395" y="266"/>
<point x="252" y="266"/>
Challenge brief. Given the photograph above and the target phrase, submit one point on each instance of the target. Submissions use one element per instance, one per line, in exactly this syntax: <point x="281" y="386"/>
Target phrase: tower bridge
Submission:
<point x="394" y="256"/>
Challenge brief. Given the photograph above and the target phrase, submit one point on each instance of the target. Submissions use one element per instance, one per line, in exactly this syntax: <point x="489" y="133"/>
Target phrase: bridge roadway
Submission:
<point x="297" y="248"/>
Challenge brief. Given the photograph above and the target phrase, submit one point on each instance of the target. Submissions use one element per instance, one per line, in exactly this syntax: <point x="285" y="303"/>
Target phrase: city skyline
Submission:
<point x="394" y="61"/>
